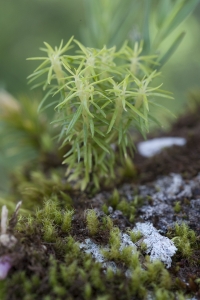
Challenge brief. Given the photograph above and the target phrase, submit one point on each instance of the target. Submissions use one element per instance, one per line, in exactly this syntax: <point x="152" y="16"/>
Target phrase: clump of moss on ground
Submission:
<point x="48" y="263"/>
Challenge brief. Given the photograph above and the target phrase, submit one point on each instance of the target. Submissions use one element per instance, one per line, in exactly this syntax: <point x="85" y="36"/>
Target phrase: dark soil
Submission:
<point x="184" y="160"/>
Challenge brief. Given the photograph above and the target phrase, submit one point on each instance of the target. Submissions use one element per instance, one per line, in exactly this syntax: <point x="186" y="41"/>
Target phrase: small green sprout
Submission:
<point x="177" y="207"/>
<point x="109" y="223"/>
<point x="128" y="209"/>
<point x="143" y="247"/>
<point x="87" y="291"/>
<point x="92" y="221"/>
<point x="98" y="95"/>
<point x="52" y="211"/>
<point x="162" y="294"/>
<point x="49" y="231"/>
<point x="105" y="209"/>
<point x="114" y="242"/>
<point x="135" y="236"/>
<point x="184" y="239"/>
<point x="114" y="199"/>
<point x="67" y="220"/>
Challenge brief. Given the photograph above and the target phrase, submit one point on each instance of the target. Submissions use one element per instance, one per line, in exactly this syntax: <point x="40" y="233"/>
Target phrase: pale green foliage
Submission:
<point x="103" y="93"/>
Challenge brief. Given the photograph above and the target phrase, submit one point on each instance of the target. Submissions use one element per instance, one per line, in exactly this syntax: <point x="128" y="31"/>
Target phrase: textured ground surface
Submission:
<point x="165" y="192"/>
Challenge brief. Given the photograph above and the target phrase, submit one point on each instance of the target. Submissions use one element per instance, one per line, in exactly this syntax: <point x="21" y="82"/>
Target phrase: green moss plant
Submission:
<point x="67" y="220"/>
<point x="103" y="91"/>
<point x="177" y="207"/>
<point x="184" y="239"/>
<point x="57" y="264"/>
<point x="135" y="235"/>
<point x="92" y="221"/>
<point x="99" y="95"/>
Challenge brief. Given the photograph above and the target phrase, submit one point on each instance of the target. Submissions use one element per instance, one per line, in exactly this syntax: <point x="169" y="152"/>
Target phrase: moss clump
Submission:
<point x="92" y="221"/>
<point x="128" y="208"/>
<point x="184" y="239"/>
<point x="114" y="199"/>
<point x="52" y="266"/>
<point x="135" y="235"/>
<point x="177" y="207"/>
<point x="35" y="186"/>
<point x="67" y="220"/>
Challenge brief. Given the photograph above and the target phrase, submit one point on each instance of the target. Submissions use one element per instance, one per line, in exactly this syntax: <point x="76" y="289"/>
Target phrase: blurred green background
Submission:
<point x="26" y="24"/>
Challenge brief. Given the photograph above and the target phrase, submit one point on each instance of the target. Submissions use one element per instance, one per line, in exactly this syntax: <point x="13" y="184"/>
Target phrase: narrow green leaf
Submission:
<point x="100" y="144"/>
<point x="99" y="132"/>
<point x="37" y="58"/>
<point x="85" y="131"/>
<point x="96" y="181"/>
<point x="48" y="105"/>
<point x="146" y="37"/>
<point x="66" y="100"/>
<point x="37" y="85"/>
<point x="74" y="119"/>
<point x="89" y="157"/>
<point x="135" y="110"/>
<point x="152" y="118"/>
<point x="171" y="50"/>
<point x="69" y="152"/>
<point x="85" y="107"/>
<point x="83" y="48"/>
<point x="163" y="9"/>
<point x="49" y="47"/>
<point x="67" y="47"/>
<point x="112" y="122"/>
<point x="85" y="150"/>
<point x="78" y="151"/>
<point x="120" y="129"/>
<point x="91" y="126"/>
<point x="42" y="65"/>
<point x="145" y="101"/>
<point x="181" y="10"/>
<point x="49" y="75"/>
<point x="45" y="98"/>
<point x="163" y="107"/>
<point x="186" y="10"/>
<point x="161" y="95"/>
<point x="99" y="109"/>
<point x="37" y="74"/>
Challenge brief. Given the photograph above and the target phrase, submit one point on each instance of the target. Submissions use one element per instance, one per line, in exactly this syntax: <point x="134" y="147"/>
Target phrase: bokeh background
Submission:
<point x="26" y="24"/>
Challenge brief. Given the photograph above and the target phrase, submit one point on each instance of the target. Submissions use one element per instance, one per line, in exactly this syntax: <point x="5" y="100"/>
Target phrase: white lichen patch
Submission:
<point x="158" y="247"/>
<point x="174" y="186"/>
<point x="96" y="251"/>
<point x="90" y="247"/>
<point x="151" y="147"/>
<point x="126" y="241"/>
<point x="164" y="192"/>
